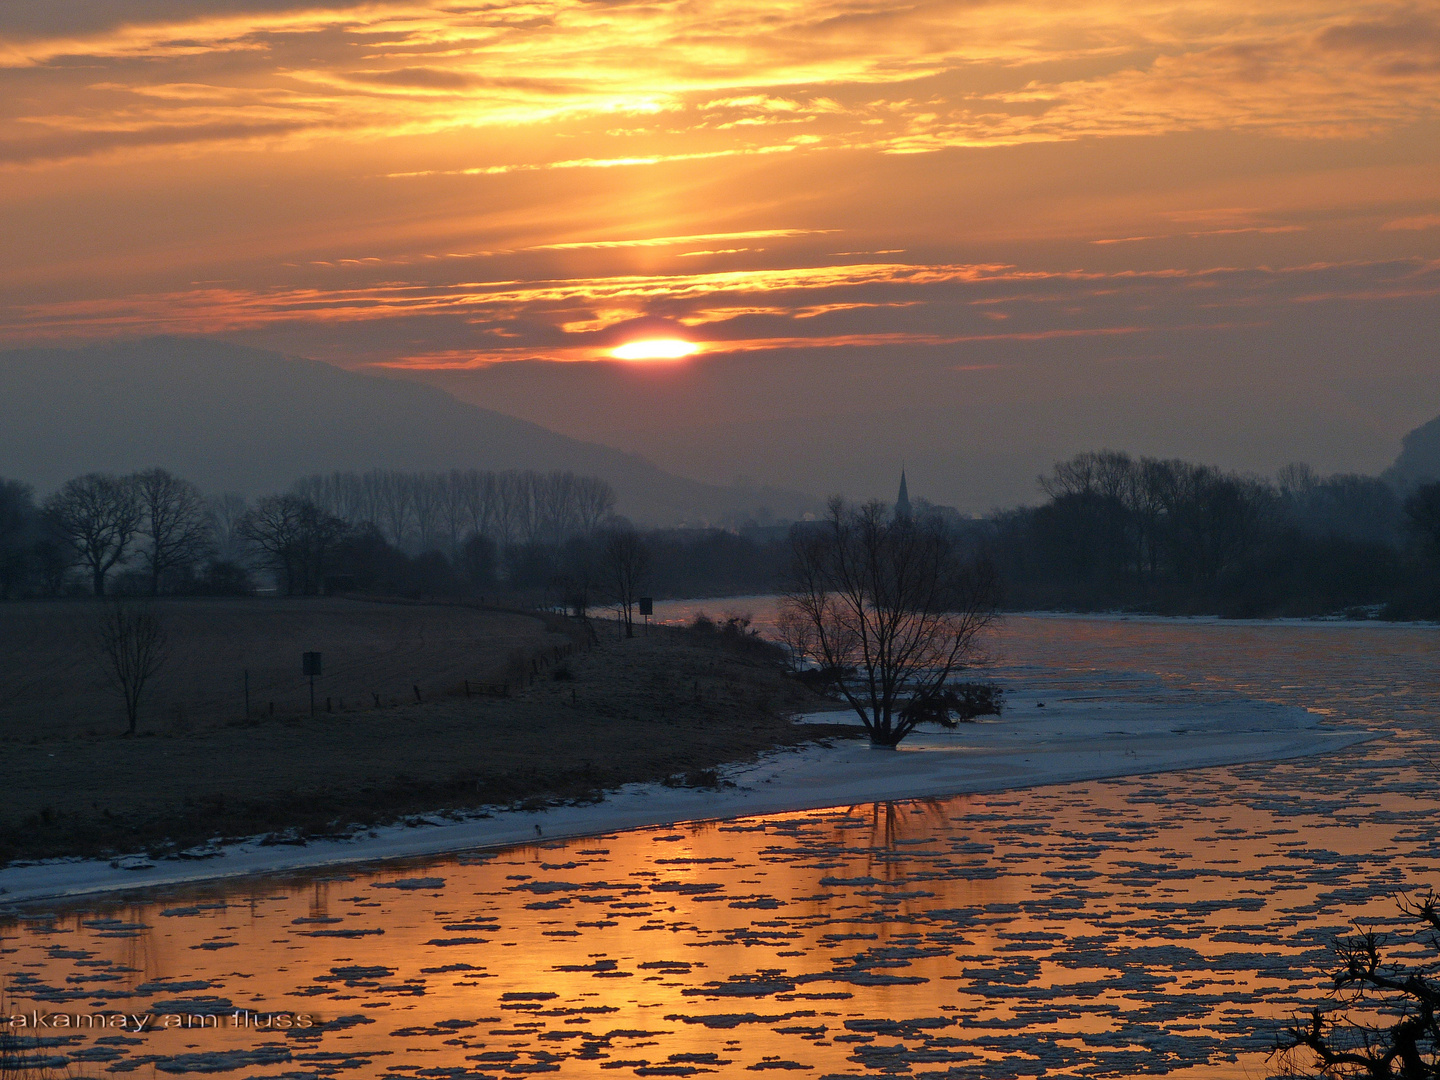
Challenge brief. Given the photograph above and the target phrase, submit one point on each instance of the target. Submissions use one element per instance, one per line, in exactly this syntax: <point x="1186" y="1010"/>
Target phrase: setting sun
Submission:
<point x="655" y="349"/>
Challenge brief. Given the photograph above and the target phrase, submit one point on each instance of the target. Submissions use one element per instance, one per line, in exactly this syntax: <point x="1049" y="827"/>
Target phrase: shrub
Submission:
<point x="957" y="703"/>
<point x="825" y="680"/>
<point x="734" y="633"/>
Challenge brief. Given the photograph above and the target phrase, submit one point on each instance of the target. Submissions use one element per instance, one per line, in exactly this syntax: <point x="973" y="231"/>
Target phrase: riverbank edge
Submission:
<point x="817" y="765"/>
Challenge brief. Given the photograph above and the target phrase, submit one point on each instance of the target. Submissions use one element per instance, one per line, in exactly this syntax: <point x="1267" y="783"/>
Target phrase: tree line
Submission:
<point x="1175" y="537"/>
<point x="151" y="522"/>
<point x="420" y="533"/>
<point x="1113" y="532"/>
<point x="441" y="510"/>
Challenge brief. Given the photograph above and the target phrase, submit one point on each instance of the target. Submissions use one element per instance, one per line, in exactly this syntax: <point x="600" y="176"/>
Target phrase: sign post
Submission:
<point x="647" y="608"/>
<point x="310" y="667"/>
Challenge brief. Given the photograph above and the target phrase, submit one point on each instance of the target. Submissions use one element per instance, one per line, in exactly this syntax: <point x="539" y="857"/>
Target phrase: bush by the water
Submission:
<point x="735" y="633"/>
<point x="958" y="703"/>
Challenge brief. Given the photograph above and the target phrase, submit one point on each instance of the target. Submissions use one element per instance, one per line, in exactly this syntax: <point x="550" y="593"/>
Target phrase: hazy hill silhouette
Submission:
<point x="239" y="419"/>
<point x="1419" y="459"/>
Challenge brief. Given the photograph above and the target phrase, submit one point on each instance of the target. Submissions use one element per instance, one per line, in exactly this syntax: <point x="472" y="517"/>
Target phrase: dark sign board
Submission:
<point x="647" y="605"/>
<point x="310" y="664"/>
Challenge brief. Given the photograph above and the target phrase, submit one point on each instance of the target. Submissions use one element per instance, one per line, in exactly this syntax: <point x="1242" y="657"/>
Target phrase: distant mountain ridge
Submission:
<point x="233" y="418"/>
<point x="1419" y="459"/>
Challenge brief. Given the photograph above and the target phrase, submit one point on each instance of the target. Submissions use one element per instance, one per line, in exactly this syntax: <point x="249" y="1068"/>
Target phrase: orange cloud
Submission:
<point x="899" y="80"/>
<point x="831" y="172"/>
<point x="1413" y="224"/>
<point x="869" y="306"/>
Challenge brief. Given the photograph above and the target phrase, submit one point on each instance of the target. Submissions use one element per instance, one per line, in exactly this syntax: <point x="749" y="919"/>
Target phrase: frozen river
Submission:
<point x="1164" y="925"/>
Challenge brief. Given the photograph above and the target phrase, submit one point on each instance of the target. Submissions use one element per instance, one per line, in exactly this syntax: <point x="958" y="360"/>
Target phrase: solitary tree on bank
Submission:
<point x="894" y="601"/>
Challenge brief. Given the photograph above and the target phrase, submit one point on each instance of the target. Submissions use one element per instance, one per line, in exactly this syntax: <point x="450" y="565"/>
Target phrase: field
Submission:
<point x="671" y="704"/>
<point x="52" y="684"/>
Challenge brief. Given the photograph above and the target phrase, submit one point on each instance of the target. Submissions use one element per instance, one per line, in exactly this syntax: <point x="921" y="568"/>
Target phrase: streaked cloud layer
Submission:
<point x="887" y="77"/>
<point x="444" y="187"/>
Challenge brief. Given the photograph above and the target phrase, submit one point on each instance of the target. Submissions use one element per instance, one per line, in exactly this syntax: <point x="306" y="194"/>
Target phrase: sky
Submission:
<point x="963" y="237"/>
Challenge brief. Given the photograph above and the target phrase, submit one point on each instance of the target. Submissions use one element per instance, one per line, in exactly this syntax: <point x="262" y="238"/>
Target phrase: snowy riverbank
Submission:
<point x="1069" y="738"/>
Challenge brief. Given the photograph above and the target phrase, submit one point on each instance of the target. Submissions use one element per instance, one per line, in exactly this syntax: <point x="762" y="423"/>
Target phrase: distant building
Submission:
<point x="902" y="501"/>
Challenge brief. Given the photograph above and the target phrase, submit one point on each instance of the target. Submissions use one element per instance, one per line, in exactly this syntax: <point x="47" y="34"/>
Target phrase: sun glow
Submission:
<point x="655" y="349"/>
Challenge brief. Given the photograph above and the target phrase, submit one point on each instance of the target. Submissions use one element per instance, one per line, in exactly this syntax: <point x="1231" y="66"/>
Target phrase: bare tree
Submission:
<point x="1107" y="473"/>
<point x="293" y="537"/>
<point x="19" y="529"/>
<point x="51" y="557"/>
<point x="512" y="506"/>
<point x="426" y="499"/>
<point x="1422" y="511"/>
<point x="453" y="509"/>
<point x="797" y="634"/>
<point x="270" y="529"/>
<point x="132" y="647"/>
<point x="1297" y="480"/>
<point x="594" y="503"/>
<point x="525" y="506"/>
<point x="1211" y="519"/>
<point x="1383" y="1025"/>
<point x="392" y="503"/>
<point x="553" y="507"/>
<point x="428" y="511"/>
<point x="225" y="513"/>
<point x="325" y="490"/>
<point x="624" y="563"/>
<point x="894" y="602"/>
<point x="346" y="495"/>
<point x="479" y="500"/>
<point x="98" y="514"/>
<point x="173" y="520"/>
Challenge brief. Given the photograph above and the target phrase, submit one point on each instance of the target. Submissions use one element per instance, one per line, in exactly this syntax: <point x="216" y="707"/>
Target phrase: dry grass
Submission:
<point x="645" y="709"/>
<point x="52" y="685"/>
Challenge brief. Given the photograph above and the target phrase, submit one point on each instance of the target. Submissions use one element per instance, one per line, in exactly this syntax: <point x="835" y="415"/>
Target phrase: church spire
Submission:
<point x="902" y="501"/>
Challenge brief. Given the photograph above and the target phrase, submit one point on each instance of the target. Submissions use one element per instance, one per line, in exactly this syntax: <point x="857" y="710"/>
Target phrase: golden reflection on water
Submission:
<point x="1164" y="924"/>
